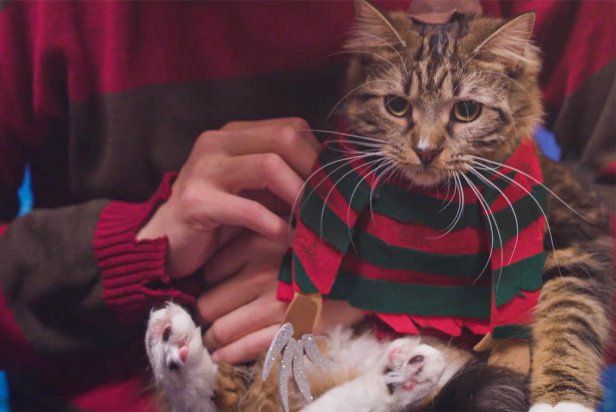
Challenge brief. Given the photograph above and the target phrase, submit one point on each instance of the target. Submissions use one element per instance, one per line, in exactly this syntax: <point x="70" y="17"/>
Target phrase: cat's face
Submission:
<point x="435" y="95"/>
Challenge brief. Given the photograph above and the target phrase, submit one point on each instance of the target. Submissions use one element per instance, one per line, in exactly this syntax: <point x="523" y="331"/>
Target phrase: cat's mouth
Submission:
<point x="423" y="175"/>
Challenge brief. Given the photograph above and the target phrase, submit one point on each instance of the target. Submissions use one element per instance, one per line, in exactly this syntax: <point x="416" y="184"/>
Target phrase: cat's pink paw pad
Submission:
<point x="412" y="370"/>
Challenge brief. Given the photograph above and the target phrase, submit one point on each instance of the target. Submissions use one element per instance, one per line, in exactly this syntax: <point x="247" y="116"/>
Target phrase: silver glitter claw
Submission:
<point x="299" y="374"/>
<point x="286" y="365"/>
<point x="292" y="362"/>
<point x="314" y="354"/>
<point x="278" y="344"/>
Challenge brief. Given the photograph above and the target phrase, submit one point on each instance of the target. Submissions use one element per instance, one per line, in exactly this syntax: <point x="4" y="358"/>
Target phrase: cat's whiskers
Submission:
<point x="489" y="218"/>
<point x="386" y="162"/>
<point x="361" y="168"/>
<point x="391" y="165"/>
<point x="545" y="217"/>
<point x="446" y="203"/>
<point x="356" y="136"/>
<point x="462" y="200"/>
<point x="460" y="210"/>
<point x="358" y="143"/>
<point x="515" y="216"/>
<point x="449" y="177"/>
<point x="493" y="165"/>
<point x="322" y="168"/>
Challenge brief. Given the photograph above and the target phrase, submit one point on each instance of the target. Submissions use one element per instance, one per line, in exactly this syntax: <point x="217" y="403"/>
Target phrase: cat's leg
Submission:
<point x="182" y="367"/>
<point x="570" y="332"/>
<point x="405" y="375"/>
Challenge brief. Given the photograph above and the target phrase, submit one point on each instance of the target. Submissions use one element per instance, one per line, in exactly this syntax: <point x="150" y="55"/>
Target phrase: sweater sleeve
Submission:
<point x="75" y="278"/>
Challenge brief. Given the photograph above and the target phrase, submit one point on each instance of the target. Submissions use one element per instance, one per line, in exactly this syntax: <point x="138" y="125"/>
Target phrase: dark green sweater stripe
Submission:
<point x="316" y="216"/>
<point x="527" y="212"/>
<point x="285" y="273"/>
<point x="301" y="277"/>
<point x="375" y="251"/>
<point x="345" y="178"/>
<point x="388" y="297"/>
<point x="512" y="332"/>
<point x="410" y="207"/>
<point x="518" y="276"/>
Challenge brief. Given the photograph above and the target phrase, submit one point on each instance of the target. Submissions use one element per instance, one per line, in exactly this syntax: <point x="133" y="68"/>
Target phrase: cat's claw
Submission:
<point x="292" y="362"/>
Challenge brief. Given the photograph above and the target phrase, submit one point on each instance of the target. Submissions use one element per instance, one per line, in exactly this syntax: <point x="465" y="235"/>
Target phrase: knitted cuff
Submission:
<point x="133" y="272"/>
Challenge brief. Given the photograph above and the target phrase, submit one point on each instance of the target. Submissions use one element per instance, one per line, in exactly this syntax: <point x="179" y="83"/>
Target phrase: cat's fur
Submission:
<point x="493" y="63"/>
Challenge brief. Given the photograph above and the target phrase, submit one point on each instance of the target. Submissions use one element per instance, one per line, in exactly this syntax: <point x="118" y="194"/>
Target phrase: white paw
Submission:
<point x="413" y="370"/>
<point x="560" y="407"/>
<point x="182" y="367"/>
<point x="172" y="341"/>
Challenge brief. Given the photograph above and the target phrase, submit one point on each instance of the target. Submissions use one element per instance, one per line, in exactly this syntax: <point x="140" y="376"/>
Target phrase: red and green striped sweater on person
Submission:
<point x="400" y="252"/>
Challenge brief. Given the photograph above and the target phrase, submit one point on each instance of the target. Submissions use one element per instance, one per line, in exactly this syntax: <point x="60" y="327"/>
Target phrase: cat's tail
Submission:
<point x="481" y="388"/>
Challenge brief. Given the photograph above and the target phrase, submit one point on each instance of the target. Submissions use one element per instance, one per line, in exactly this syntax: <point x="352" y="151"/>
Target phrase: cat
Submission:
<point x="450" y="99"/>
<point x="462" y="97"/>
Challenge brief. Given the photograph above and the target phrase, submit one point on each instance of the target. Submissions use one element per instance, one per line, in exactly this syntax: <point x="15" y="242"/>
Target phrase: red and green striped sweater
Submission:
<point x="388" y="248"/>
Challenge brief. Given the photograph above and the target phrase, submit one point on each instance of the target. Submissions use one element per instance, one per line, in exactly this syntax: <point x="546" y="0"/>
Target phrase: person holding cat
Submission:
<point x="101" y="99"/>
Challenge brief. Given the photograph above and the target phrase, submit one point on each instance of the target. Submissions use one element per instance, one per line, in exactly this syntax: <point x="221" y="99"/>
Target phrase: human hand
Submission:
<point x="242" y="309"/>
<point x="206" y="208"/>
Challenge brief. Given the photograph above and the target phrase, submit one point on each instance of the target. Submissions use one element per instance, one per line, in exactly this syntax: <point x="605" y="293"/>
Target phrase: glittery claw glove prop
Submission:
<point x="294" y="339"/>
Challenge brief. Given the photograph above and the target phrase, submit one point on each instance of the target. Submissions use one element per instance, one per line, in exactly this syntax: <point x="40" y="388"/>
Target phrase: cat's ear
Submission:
<point x="511" y="41"/>
<point x="373" y="28"/>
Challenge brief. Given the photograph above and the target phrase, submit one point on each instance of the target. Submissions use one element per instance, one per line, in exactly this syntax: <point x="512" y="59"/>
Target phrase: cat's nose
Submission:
<point x="426" y="156"/>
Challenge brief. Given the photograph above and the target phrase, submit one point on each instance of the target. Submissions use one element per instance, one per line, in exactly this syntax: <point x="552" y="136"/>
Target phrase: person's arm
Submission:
<point x="75" y="278"/>
<point x="85" y="276"/>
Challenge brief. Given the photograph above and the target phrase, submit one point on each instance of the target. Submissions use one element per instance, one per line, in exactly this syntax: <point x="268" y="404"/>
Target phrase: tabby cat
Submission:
<point x="439" y="101"/>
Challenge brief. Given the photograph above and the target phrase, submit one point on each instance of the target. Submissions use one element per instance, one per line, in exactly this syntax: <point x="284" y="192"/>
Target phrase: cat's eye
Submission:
<point x="397" y="106"/>
<point x="466" y="111"/>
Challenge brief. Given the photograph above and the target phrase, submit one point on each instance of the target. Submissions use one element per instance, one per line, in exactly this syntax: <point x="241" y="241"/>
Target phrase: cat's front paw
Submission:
<point x="560" y="407"/>
<point x="182" y="367"/>
<point x="413" y="370"/>
<point x="173" y="342"/>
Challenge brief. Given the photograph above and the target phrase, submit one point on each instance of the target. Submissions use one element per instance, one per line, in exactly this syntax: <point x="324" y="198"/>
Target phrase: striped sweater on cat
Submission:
<point x="395" y="251"/>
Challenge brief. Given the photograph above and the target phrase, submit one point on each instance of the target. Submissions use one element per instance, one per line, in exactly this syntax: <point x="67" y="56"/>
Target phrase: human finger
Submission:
<point x="296" y="122"/>
<point x="234" y="256"/>
<point x="258" y="314"/>
<point x="247" y="348"/>
<point x="262" y="171"/>
<point x="235" y="292"/>
<point x="287" y="142"/>
<point x="236" y="211"/>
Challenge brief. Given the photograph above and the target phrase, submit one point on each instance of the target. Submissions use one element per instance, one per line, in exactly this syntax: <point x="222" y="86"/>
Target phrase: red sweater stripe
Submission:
<point x="529" y="243"/>
<point x="353" y="264"/>
<point x="465" y="241"/>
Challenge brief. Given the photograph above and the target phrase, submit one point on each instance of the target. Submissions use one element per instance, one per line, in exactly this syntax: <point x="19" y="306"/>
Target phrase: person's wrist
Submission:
<point x="156" y="227"/>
